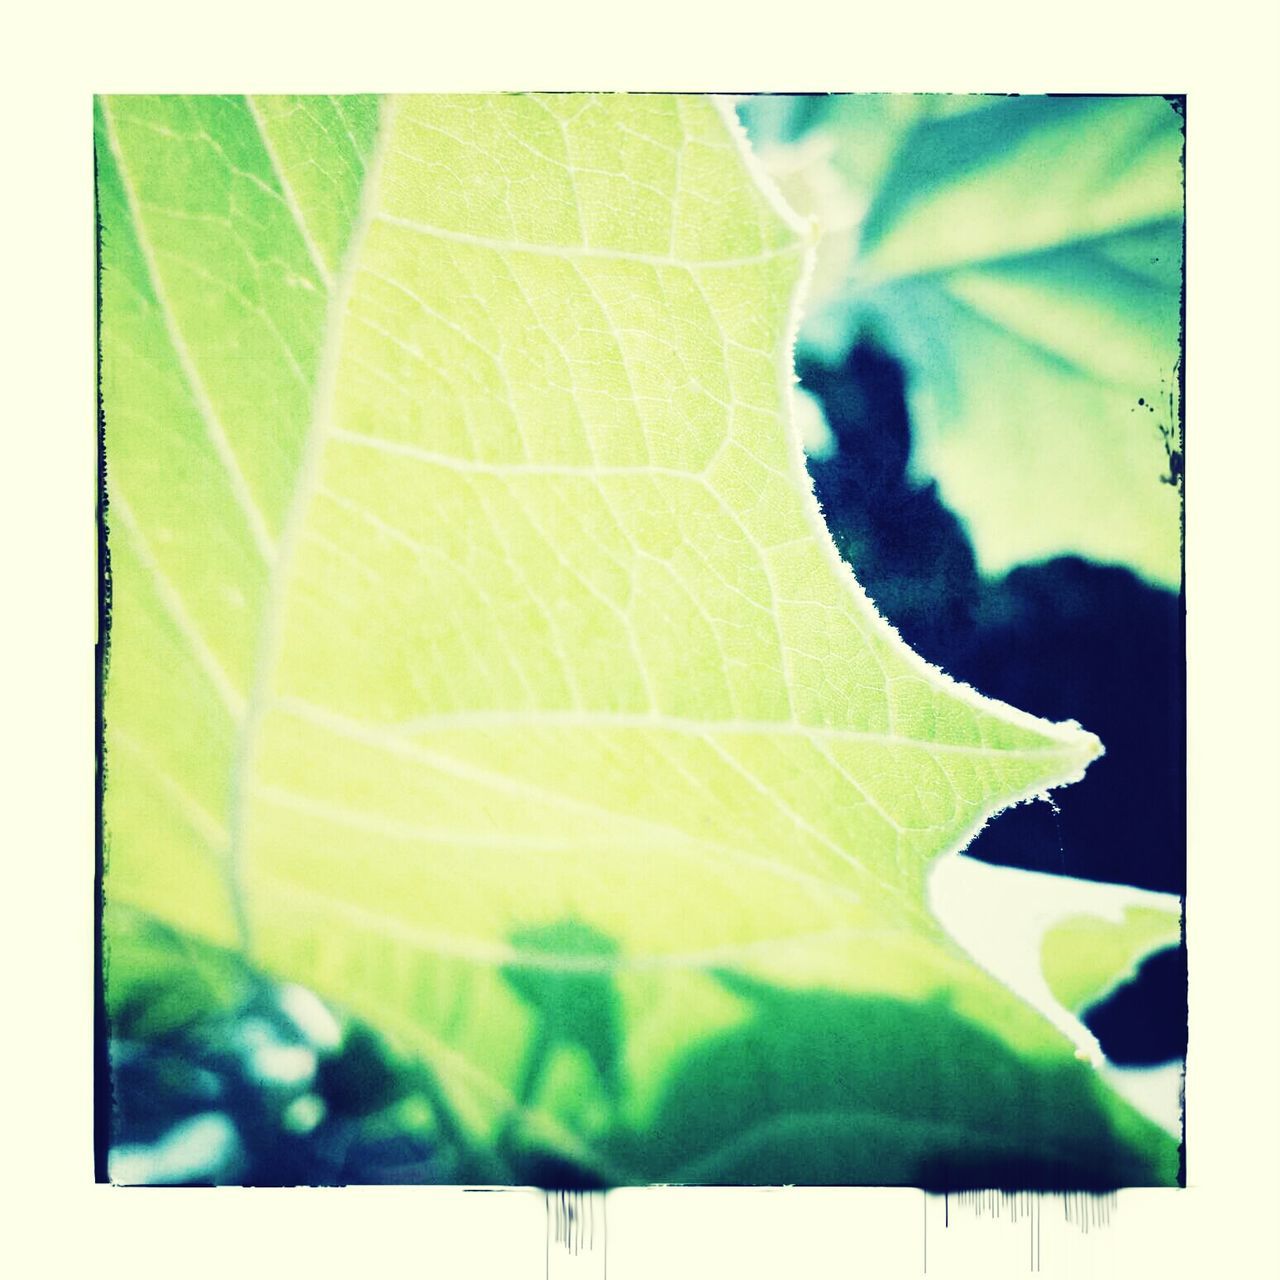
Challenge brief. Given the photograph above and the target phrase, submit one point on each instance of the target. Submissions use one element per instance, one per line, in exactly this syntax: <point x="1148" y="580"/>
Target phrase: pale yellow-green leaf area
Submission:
<point x="466" y="581"/>
<point x="1085" y="958"/>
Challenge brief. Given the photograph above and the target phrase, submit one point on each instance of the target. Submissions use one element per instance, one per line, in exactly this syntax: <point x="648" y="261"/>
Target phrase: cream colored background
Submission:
<point x="1222" y="54"/>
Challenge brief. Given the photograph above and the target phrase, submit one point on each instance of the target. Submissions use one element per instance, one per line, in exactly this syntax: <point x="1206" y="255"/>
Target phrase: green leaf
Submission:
<point x="1085" y="957"/>
<point x="479" y="657"/>
<point x="1063" y="944"/>
<point x="571" y="1006"/>
<point x="1024" y="257"/>
<point x="164" y="982"/>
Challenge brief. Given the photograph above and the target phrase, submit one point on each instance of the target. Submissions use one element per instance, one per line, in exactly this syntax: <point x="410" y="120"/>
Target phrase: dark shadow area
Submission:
<point x="821" y="1088"/>
<point x="1144" y="1022"/>
<point x="578" y="1008"/>
<point x="554" y="1172"/>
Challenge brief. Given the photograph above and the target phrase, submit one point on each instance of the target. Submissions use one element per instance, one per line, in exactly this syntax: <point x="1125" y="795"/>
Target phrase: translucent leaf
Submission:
<point x="1063" y="943"/>
<point x="480" y="660"/>
<point x="1086" y="957"/>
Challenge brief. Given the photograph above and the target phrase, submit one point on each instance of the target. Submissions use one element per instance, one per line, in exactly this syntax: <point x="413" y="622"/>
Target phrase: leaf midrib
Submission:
<point x="1016" y="257"/>
<point x="270" y="634"/>
<point x="539" y="717"/>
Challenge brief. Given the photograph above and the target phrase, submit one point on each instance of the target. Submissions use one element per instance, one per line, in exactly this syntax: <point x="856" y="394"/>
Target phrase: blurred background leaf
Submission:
<point x="219" y="1074"/>
<point x="1087" y="957"/>
<point x="1023" y="258"/>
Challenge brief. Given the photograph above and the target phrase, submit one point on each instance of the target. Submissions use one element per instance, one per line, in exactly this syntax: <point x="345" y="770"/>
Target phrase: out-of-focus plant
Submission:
<point x="1023" y="257"/>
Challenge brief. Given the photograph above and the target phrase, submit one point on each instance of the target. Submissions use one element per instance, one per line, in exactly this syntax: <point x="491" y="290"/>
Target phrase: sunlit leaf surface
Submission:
<point x="1086" y="957"/>
<point x="479" y="657"/>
